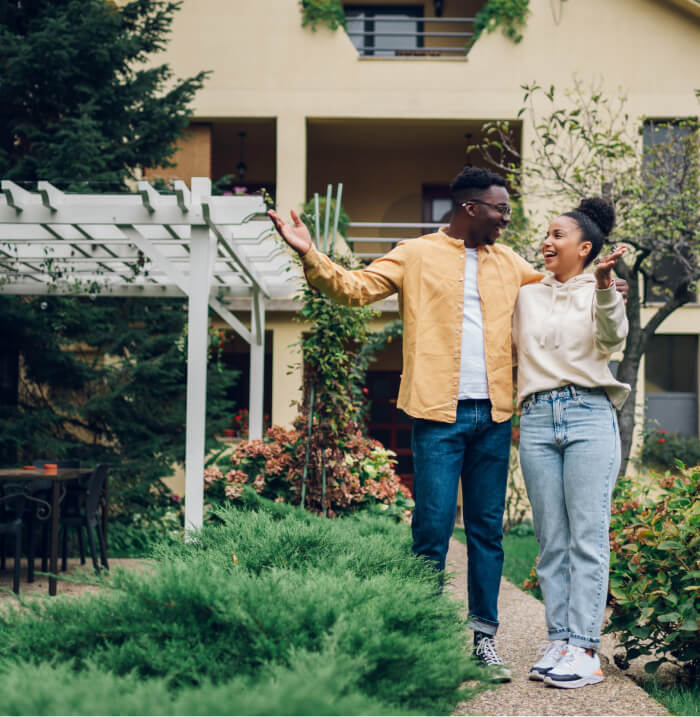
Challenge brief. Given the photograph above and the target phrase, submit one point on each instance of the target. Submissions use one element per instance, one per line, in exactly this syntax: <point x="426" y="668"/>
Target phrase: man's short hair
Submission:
<point x="472" y="181"/>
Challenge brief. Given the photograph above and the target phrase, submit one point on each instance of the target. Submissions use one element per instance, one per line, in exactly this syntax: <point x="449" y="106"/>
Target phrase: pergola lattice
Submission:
<point x="154" y="245"/>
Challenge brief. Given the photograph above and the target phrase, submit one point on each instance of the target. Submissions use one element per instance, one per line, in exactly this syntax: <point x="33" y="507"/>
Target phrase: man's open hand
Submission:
<point x="295" y="234"/>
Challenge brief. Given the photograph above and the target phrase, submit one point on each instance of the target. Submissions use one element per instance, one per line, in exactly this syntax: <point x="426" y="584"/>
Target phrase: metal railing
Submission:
<point x="373" y="41"/>
<point x="371" y="247"/>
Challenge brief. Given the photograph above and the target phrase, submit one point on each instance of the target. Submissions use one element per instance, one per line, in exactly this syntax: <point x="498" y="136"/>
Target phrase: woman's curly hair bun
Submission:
<point x="600" y="211"/>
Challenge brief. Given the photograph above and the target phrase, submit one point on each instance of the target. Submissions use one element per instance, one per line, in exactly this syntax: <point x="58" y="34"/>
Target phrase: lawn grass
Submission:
<point x="678" y="699"/>
<point x="519" y="551"/>
<point x="272" y="611"/>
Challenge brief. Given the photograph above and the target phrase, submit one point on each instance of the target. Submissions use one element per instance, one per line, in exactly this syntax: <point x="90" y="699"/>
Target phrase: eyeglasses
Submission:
<point x="503" y="209"/>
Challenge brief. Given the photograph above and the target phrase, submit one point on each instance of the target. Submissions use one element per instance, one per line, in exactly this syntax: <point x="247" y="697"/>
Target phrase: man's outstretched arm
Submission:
<point x="380" y="279"/>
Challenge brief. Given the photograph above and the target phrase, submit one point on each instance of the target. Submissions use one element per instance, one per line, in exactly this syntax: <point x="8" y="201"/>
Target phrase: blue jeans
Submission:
<point x="570" y="456"/>
<point x="477" y="449"/>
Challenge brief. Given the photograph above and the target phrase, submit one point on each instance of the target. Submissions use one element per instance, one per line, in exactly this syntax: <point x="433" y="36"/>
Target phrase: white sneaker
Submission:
<point x="550" y="653"/>
<point x="576" y="668"/>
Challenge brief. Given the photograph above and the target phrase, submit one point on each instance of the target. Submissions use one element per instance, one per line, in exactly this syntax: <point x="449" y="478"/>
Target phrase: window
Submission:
<point x="671" y="364"/>
<point x="385" y="30"/>
<point x="671" y="373"/>
<point x="668" y="272"/>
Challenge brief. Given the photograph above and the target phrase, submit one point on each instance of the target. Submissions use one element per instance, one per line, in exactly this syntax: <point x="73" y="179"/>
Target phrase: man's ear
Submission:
<point x="470" y="209"/>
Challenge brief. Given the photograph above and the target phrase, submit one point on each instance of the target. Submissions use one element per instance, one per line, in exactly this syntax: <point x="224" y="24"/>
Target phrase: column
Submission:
<point x="257" y="366"/>
<point x="197" y="319"/>
<point x="291" y="162"/>
<point x="286" y="381"/>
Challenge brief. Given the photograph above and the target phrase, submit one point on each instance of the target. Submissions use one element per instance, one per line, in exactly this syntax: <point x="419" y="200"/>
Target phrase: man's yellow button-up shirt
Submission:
<point x="428" y="275"/>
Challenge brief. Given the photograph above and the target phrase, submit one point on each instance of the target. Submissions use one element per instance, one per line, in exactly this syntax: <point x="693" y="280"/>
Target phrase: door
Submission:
<point x="388" y="424"/>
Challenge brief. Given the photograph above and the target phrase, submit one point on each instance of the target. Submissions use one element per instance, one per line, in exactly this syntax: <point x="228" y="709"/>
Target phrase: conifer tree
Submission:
<point x="83" y="104"/>
<point x="82" y="101"/>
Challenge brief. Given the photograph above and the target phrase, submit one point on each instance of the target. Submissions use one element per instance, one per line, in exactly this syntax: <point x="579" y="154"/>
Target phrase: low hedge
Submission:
<point x="655" y="569"/>
<point x="261" y="598"/>
<point x="318" y="683"/>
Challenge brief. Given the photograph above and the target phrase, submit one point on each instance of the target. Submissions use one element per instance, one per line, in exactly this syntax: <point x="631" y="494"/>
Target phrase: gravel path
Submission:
<point x="521" y="631"/>
<point x="40" y="586"/>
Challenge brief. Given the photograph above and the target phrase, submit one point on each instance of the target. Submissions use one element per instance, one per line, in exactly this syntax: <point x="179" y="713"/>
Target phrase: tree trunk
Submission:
<point x="628" y="369"/>
<point x="627" y="373"/>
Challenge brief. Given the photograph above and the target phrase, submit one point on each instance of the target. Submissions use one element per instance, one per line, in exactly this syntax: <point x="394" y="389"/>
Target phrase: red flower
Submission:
<point x="365" y="390"/>
<point x="661" y="440"/>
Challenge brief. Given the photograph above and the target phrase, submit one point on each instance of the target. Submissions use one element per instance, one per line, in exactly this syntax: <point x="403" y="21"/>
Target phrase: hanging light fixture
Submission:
<point x="241" y="167"/>
<point x="438" y="7"/>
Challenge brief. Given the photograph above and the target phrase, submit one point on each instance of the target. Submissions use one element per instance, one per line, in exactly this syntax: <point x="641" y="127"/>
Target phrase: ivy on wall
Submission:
<point x="322" y="12"/>
<point x="509" y="15"/>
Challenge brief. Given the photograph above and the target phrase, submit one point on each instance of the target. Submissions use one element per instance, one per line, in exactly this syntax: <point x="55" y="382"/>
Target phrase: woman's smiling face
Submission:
<point x="563" y="249"/>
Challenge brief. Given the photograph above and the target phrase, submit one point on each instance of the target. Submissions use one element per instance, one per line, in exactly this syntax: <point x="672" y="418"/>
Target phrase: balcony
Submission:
<point x="403" y="34"/>
<point x="386" y="236"/>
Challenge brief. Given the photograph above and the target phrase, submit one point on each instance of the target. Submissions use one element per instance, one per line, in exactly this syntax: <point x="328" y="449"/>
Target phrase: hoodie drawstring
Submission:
<point x="550" y="315"/>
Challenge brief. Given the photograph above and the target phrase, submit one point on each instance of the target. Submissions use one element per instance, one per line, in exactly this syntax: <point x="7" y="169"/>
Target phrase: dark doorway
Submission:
<point x="236" y="355"/>
<point x="388" y="424"/>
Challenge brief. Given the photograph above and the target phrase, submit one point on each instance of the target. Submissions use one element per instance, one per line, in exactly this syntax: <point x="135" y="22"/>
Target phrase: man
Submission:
<point x="457" y="290"/>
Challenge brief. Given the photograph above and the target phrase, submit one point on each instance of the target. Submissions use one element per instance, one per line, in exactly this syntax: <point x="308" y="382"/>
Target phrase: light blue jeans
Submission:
<point x="570" y="457"/>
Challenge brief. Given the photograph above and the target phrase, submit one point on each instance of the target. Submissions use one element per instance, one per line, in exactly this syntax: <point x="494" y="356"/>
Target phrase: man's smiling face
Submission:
<point x="486" y="213"/>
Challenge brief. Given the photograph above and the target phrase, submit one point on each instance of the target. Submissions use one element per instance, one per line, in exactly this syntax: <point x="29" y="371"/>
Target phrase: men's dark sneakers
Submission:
<point x="485" y="651"/>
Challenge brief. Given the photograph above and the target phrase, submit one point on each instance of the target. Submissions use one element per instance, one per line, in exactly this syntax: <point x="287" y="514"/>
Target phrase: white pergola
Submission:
<point x="154" y="245"/>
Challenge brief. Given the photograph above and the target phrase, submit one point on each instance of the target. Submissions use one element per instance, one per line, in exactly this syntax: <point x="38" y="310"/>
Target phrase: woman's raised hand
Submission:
<point x="604" y="267"/>
<point x="295" y="234"/>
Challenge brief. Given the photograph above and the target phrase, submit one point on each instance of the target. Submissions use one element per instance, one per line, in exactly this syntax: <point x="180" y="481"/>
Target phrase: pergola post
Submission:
<point x="257" y="366"/>
<point x="197" y="347"/>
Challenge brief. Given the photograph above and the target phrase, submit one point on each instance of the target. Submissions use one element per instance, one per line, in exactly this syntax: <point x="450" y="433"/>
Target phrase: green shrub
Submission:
<point x="251" y="595"/>
<point x="137" y="534"/>
<point x="655" y="569"/>
<point x="361" y="545"/>
<point x="317" y="683"/>
<point x="661" y="449"/>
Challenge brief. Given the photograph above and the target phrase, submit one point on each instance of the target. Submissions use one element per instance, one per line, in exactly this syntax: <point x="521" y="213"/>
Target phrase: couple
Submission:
<point x="459" y="295"/>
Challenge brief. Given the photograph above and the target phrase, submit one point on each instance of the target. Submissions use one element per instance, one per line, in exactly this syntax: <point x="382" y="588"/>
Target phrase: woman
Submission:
<point x="565" y="330"/>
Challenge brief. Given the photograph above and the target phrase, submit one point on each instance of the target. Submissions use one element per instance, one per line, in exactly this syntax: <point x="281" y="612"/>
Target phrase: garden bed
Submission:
<point x="273" y="611"/>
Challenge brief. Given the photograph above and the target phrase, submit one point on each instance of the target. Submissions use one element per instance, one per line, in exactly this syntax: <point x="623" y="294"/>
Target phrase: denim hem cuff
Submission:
<point x="585" y="642"/>
<point x="558" y="634"/>
<point x="477" y="624"/>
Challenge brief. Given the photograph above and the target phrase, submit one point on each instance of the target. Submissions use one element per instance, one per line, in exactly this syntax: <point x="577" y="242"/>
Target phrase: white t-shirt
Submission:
<point x="472" y="369"/>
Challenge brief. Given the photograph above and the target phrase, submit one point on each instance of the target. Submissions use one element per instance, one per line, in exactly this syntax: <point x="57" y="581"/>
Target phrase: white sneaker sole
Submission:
<point x="572" y="684"/>
<point x="536" y="675"/>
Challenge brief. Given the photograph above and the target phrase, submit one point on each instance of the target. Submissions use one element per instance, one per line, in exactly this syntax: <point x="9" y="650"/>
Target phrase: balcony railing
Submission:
<point x="383" y="236"/>
<point x="397" y="36"/>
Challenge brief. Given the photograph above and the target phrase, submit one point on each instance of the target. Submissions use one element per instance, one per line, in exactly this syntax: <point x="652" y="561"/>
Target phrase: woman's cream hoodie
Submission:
<point x="566" y="333"/>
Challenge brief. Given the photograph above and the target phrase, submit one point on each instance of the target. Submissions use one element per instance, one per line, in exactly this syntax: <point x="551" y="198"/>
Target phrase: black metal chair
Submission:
<point x="81" y="509"/>
<point x="41" y="489"/>
<point x="12" y="502"/>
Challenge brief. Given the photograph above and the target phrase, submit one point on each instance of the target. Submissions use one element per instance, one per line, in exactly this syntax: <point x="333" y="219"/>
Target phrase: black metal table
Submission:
<point x="62" y="475"/>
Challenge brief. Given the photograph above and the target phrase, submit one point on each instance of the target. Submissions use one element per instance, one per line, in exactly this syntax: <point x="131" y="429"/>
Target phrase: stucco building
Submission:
<point x="389" y="106"/>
